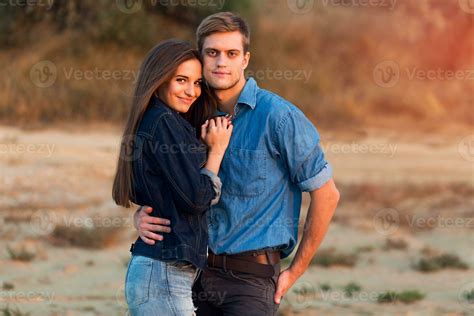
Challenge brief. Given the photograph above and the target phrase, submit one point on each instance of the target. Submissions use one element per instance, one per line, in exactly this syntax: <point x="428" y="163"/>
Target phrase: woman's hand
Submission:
<point x="216" y="133"/>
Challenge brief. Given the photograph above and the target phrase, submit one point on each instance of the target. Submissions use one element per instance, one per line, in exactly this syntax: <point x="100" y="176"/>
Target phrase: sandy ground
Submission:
<point x="63" y="177"/>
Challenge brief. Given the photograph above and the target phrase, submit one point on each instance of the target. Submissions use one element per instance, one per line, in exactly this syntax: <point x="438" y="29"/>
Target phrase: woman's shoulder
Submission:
<point x="155" y="115"/>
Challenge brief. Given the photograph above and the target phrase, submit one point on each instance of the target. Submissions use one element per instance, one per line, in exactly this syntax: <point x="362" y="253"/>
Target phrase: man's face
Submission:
<point x="224" y="59"/>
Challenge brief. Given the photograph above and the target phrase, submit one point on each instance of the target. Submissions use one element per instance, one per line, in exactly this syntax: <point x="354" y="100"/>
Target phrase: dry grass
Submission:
<point x="395" y="243"/>
<point x="94" y="237"/>
<point x="420" y="207"/>
<point x="83" y="237"/>
<point x="338" y="91"/>
<point x="331" y="257"/>
<point x="452" y="194"/>
<point x="439" y="262"/>
<point x="22" y="251"/>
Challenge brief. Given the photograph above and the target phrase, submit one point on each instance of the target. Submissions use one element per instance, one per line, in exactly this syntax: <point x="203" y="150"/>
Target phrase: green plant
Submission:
<point x="8" y="311"/>
<point x="442" y="261"/>
<point x="407" y="296"/>
<point x="469" y="296"/>
<point x="325" y="287"/>
<point x="410" y="296"/>
<point x="351" y="288"/>
<point x="21" y="253"/>
<point x="8" y="286"/>
<point x="364" y="249"/>
<point x="387" y="297"/>
<point x="304" y="290"/>
<point x="395" y="243"/>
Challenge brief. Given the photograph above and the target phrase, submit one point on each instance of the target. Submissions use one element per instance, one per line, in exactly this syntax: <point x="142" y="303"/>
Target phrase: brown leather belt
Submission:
<point x="259" y="263"/>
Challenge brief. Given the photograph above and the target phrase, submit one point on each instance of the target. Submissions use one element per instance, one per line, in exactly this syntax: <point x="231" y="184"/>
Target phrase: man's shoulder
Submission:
<point x="275" y="105"/>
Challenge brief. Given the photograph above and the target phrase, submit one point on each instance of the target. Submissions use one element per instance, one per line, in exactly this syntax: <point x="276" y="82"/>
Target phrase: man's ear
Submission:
<point x="246" y="60"/>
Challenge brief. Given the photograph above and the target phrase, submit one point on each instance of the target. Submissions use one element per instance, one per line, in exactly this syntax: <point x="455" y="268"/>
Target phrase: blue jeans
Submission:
<point x="153" y="286"/>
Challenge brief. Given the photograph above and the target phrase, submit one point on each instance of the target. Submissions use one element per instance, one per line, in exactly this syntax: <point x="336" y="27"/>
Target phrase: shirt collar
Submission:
<point x="248" y="95"/>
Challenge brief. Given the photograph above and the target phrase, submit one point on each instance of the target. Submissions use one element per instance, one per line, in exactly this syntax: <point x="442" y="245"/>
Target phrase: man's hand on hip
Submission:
<point x="148" y="225"/>
<point x="285" y="282"/>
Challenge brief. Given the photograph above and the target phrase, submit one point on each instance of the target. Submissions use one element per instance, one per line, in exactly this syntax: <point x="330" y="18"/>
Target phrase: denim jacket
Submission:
<point x="168" y="176"/>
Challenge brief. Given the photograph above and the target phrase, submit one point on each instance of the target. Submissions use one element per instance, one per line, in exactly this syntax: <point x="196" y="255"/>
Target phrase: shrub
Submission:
<point x="442" y="261"/>
<point x="330" y="257"/>
<point x="407" y="296"/>
<point x="351" y="288"/>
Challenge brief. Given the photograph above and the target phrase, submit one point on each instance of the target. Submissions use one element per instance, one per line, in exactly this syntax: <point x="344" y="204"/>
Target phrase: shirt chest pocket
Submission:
<point x="244" y="172"/>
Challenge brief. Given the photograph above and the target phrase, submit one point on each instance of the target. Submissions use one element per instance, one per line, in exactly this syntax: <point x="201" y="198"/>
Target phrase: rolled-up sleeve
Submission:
<point x="216" y="184"/>
<point x="298" y="143"/>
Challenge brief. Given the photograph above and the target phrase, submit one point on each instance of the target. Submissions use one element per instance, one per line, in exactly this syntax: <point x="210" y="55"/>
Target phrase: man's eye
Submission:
<point x="232" y="54"/>
<point x="212" y="53"/>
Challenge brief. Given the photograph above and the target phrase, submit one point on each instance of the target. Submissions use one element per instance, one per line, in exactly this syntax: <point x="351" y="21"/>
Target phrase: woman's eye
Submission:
<point x="180" y="80"/>
<point x="198" y="83"/>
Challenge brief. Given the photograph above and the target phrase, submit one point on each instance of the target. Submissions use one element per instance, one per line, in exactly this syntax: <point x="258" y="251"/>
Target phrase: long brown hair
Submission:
<point x="158" y="68"/>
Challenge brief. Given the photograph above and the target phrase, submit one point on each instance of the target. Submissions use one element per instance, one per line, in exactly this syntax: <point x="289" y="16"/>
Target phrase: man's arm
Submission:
<point x="147" y="225"/>
<point x="321" y="209"/>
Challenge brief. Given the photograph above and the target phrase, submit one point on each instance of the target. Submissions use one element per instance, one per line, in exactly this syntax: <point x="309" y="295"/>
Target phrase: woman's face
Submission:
<point x="184" y="87"/>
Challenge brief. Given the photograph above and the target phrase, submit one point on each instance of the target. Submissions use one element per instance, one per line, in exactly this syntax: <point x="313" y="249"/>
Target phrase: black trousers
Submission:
<point x="217" y="292"/>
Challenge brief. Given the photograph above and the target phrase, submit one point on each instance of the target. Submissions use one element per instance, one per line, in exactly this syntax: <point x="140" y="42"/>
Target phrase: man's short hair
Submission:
<point x="222" y="22"/>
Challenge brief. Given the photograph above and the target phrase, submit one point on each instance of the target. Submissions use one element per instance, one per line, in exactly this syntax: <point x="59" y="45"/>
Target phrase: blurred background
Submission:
<point x="388" y="83"/>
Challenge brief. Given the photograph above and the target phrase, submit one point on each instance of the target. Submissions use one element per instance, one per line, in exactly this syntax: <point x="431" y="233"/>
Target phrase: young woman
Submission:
<point x="163" y="164"/>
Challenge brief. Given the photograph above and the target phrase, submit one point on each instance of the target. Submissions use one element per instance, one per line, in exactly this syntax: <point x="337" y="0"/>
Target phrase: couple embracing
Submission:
<point x="219" y="166"/>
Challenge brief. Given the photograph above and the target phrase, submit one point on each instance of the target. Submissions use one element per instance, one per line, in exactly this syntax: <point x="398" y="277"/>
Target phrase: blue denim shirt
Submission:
<point x="273" y="156"/>
<point x="168" y="176"/>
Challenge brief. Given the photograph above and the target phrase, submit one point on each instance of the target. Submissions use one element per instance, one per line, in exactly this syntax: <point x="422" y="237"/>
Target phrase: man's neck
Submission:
<point x="228" y="98"/>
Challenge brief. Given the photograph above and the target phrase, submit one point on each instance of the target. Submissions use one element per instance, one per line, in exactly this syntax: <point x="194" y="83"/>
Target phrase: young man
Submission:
<point x="273" y="156"/>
